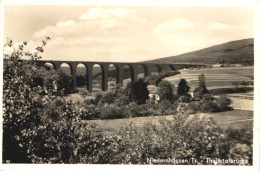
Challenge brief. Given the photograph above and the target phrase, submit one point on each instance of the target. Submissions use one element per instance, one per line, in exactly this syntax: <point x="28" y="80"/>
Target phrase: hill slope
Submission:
<point x="240" y="51"/>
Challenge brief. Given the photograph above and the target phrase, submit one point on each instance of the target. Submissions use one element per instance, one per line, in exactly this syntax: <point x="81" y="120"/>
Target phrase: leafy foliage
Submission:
<point x="165" y="90"/>
<point x="53" y="79"/>
<point x="209" y="104"/>
<point x="19" y="93"/>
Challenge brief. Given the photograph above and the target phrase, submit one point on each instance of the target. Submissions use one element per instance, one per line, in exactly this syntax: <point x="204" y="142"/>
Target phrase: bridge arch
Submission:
<point x="66" y="67"/>
<point x="97" y="75"/>
<point x="81" y="74"/>
<point x="130" y="70"/>
<point x="143" y="71"/>
<point x="172" y="67"/>
<point x="112" y="75"/>
<point x="158" y="67"/>
<point x="49" y="65"/>
<point x="72" y="73"/>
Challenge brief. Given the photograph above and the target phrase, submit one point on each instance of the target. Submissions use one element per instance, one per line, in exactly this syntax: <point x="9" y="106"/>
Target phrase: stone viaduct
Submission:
<point x="147" y="67"/>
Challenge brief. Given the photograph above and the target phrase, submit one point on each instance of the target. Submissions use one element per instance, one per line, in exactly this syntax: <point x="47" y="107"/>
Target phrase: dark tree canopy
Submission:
<point x="183" y="88"/>
<point x="165" y="90"/>
<point x="138" y="91"/>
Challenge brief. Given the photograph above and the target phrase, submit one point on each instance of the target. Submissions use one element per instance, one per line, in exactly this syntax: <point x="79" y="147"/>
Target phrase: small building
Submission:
<point x="192" y="95"/>
<point x="236" y="65"/>
<point x="153" y="93"/>
<point x="216" y="65"/>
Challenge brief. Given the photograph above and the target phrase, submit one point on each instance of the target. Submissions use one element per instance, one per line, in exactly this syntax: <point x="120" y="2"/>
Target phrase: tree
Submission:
<point x="138" y="92"/>
<point x="183" y="88"/>
<point x="47" y="78"/>
<point x="19" y="96"/>
<point x="201" y="89"/>
<point x="223" y="103"/>
<point x="165" y="90"/>
<point x="39" y="126"/>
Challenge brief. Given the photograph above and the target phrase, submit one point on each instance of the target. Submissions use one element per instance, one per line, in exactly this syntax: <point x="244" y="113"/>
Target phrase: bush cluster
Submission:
<point x="209" y="104"/>
<point x="53" y="79"/>
<point x="220" y="91"/>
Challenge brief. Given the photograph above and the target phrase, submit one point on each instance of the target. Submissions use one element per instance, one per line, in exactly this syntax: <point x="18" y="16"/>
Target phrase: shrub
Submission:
<point x="185" y="99"/>
<point x="89" y="111"/>
<point x="208" y="106"/>
<point x="53" y="79"/>
<point x="166" y="108"/>
<point x="132" y="110"/>
<point x="207" y="97"/>
<point x="164" y="105"/>
<point x="194" y="107"/>
<point x="238" y="144"/>
<point x="108" y="97"/>
<point x="223" y="103"/>
<point x="58" y="137"/>
<point x="97" y="97"/>
<point x="84" y="93"/>
<point x="112" y="112"/>
<point x="171" y="139"/>
<point x="153" y="108"/>
<point x="231" y="90"/>
<point x="121" y="100"/>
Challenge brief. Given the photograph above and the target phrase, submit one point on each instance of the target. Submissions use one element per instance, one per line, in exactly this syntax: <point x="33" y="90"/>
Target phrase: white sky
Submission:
<point x="125" y="33"/>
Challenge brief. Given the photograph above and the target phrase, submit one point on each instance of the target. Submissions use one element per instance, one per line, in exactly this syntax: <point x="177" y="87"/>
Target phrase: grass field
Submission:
<point x="215" y="77"/>
<point x="234" y="118"/>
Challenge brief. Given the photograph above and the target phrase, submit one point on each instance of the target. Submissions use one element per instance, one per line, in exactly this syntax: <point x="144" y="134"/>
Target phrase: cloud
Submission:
<point x="108" y="14"/>
<point x="167" y="27"/>
<point x="96" y="21"/>
<point x="218" y="26"/>
<point x="61" y="28"/>
<point x="65" y="23"/>
<point x="87" y="42"/>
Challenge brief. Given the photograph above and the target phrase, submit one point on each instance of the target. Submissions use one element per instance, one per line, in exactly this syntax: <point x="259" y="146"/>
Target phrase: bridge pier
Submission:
<point x="104" y="77"/>
<point x="134" y="73"/>
<point x="147" y="71"/>
<point x="56" y="65"/>
<point x="119" y="74"/>
<point x="74" y="76"/>
<point x="89" y="77"/>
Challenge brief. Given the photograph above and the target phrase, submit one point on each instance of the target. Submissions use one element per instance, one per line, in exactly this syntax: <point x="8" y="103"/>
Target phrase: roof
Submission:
<point x="152" y="89"/>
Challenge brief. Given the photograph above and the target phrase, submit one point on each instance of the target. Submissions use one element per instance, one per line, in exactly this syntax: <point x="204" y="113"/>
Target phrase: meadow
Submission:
<point x="215" y="77"/>
<point x="235" y="119"/>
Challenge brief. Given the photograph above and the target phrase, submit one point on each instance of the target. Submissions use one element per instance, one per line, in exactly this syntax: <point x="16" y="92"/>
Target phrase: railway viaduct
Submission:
<point x="119" y="70"/>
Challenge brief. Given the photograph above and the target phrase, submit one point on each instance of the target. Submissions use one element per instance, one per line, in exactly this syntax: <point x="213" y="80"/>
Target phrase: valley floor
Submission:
<point x="235" y="119"/>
